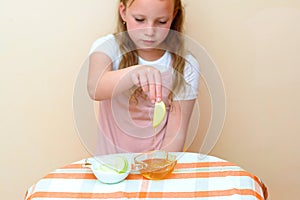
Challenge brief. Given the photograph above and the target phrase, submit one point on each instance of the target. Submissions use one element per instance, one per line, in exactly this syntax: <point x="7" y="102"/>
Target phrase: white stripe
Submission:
<point x="167" y="185"/>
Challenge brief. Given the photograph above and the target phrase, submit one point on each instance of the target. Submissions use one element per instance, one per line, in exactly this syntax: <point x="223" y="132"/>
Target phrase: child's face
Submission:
<point x="148" y="21"/>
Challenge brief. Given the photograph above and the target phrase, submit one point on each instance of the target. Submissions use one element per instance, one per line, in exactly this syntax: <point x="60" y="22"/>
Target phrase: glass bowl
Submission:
<point x="155" y="165"/>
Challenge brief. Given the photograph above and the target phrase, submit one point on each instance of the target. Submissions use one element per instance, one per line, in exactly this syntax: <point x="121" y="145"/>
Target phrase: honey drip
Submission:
<point x="154" y="139"/>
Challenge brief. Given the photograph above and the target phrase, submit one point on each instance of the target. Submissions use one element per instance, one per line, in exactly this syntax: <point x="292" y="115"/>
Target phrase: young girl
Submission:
<point x="143" y="63"/>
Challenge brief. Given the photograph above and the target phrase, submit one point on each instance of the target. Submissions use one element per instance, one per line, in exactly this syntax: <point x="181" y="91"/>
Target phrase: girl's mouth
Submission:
<point x="148" y="42"/>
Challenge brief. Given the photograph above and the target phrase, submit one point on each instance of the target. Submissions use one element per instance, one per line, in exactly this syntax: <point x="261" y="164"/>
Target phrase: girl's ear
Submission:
<point x="122" y="10"/>
<point x="175" y="13"/>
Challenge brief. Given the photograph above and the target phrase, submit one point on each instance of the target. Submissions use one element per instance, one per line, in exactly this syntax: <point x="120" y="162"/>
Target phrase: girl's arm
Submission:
<point x="177" y="126"/>
<point x="103" y="82"/>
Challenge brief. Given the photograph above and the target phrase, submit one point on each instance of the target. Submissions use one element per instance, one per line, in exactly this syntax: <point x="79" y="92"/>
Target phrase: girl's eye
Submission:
<point x="139" y="20"/>
<point x="162" y="22"/>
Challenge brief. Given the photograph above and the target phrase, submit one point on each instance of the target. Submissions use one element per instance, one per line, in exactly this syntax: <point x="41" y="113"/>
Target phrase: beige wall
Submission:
<point x="254" y="43"/>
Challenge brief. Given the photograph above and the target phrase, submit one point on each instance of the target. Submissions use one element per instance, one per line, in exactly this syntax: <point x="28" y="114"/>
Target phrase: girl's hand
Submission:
<point x="149" y="79"/>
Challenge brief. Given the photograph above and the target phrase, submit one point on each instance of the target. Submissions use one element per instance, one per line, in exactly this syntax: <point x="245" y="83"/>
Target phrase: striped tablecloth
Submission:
<point x="195" y="177"/>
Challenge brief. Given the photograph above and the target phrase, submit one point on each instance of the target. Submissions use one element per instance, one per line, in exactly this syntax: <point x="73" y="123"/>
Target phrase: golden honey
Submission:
<point x="157" y="168"/>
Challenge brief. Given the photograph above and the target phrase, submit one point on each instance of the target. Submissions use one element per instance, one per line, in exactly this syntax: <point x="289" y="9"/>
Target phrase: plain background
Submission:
<point x="255" y="45"/>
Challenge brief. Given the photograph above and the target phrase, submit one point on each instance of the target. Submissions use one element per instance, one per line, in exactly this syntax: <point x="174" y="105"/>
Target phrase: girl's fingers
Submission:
<point x="135" y="79"/>
<point x="144" y="83"/>
<point x="149" y="79"/>
<point x="152" y="87"/>
<point x="158" y="87"/>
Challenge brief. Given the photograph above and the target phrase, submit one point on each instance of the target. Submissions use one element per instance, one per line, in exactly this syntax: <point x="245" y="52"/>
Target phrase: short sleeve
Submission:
<point x="191" y="77"/>
<point x="109" y="46"/>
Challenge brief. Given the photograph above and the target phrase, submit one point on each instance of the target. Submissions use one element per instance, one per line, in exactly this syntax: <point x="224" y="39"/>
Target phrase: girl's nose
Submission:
<point x="150" y="30"/>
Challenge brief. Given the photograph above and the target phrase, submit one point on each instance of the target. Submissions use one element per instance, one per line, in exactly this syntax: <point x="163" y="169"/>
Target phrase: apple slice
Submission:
<point x="116" y="164"/>
<point x="159" y="113"/>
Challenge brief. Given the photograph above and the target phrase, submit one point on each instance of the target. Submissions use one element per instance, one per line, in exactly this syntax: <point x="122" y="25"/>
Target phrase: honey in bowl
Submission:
<point x="155" y="165"/>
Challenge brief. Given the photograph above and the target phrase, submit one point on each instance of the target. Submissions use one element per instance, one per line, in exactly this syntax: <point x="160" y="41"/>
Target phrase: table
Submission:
<point x="195" y="176"/>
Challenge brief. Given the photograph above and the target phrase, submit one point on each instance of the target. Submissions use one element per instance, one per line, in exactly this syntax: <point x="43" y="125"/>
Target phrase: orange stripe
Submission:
<point x="199" y="175"/>
<point x="178" y="165"/>
<point x="256" y="179"/>
<point x="72" y="166"/>
<point x="171" y="176"/>
<point x="204" y="164"/>
<point x="71" y="176"/>
<point x="173" y="195"/>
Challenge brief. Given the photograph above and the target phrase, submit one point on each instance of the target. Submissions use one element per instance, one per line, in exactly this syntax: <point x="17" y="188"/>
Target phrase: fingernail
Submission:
<point x="158" y="99"/>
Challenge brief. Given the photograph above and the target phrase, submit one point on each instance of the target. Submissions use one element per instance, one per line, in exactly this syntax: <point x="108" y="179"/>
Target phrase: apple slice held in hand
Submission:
<point x="159" y="113"/>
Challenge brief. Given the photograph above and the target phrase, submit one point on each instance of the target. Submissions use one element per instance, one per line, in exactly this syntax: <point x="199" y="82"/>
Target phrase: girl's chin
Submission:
<point x="145" y="45"/>
<point x="146" y="48"/>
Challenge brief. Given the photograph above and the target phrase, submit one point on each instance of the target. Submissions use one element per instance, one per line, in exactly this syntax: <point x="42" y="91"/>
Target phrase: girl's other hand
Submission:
<point x="149" y="79"/>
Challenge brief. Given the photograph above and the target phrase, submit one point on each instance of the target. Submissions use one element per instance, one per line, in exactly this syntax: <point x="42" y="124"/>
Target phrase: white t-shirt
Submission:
<point x="109" y="46"/>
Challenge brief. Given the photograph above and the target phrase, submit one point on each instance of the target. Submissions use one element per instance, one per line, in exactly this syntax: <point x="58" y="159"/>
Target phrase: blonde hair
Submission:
<point x="130" y="55"/>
